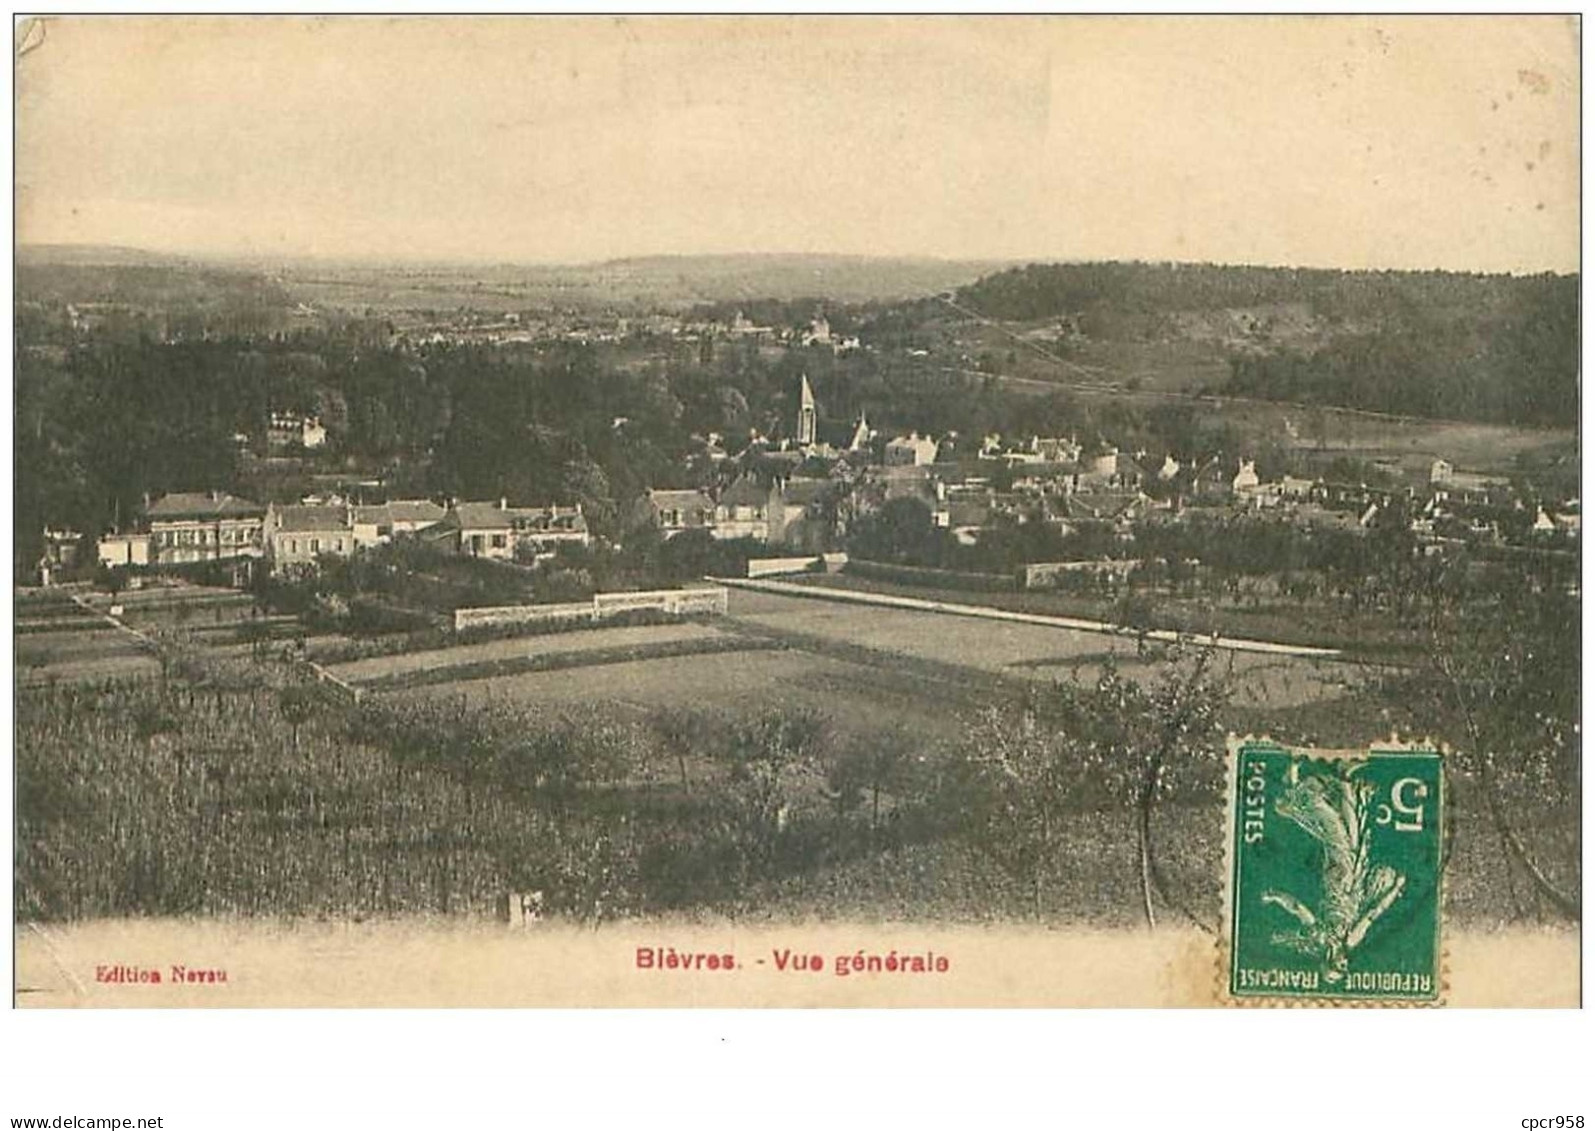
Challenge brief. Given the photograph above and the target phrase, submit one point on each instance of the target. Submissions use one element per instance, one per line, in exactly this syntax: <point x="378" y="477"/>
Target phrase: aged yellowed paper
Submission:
<point x="787" y="511"/>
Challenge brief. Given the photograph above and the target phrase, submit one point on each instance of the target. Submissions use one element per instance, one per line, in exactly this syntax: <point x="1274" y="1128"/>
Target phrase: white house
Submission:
<point x="192" y="526"/>
<point x="912" y="450"/>
<point x="291" y="429"/>
<point x="299" y="535"/>
<point x="375" y="525"/>
<point x="125" y="550"/>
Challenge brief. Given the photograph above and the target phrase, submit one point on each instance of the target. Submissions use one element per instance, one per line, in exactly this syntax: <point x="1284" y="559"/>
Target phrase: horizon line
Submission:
<point x="376" y="259"/>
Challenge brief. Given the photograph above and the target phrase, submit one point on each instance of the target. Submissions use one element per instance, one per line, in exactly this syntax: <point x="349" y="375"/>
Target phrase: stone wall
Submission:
<point x="767" y="567"/>
<point x="678" y="602"/>
<point x="1045" y="575"/>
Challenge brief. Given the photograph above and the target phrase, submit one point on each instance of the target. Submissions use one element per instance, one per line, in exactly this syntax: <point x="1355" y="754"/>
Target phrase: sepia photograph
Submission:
<point x="788" y="511"/>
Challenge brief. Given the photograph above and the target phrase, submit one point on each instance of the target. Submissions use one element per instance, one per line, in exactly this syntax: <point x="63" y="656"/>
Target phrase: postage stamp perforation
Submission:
<point x="1340" y="814"/>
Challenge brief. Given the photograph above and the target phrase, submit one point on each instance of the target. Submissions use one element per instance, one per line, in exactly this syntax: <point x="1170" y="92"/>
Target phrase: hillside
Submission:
<point x="1493" y="348"/>
<point x="124" y="293"/>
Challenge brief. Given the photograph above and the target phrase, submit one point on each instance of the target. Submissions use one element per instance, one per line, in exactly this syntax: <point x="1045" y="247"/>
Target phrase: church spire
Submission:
<point x="806" y="413"/>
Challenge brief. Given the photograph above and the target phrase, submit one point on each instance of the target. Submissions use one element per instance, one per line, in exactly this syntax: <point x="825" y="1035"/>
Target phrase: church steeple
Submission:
<point x="806" y="413"/>
<point x="861" y="435"/>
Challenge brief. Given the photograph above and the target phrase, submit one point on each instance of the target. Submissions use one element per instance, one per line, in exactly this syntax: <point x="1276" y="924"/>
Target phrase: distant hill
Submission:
<point x="838" y="278"/>
<point x="91" y="255"/>
<point x="651" y="283"/>
<point x="163" y="287"/>
<point x="669" y="282"/>
<point x="124" y="292"/>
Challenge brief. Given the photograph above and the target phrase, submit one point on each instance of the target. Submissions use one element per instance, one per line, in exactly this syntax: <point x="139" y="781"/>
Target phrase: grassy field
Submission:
<point x="1027" y="651"/>
<point x="860" y="700"/>
<point x="1188" y="370"/>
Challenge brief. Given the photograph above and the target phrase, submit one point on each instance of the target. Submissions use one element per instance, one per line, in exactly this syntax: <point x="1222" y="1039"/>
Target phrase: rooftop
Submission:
<point x="745" y="493"/>
<point x="415" y="510"/>
<point x="690" y="497"/>
<point x="296" y="518"/>
<point x="807" y="491"/>
<point x="481" y="516"/>
<point x="203" y="504"/>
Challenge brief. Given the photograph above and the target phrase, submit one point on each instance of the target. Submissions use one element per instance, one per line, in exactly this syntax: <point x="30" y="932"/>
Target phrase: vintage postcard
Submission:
<point x="791" y="510"/>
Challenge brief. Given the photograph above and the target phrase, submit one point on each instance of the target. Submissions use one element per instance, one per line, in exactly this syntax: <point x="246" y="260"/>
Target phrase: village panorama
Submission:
<point x="783" y="588"/>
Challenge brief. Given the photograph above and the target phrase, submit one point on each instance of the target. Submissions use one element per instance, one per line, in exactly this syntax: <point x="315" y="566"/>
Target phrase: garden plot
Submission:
<point x="191" y="614"/>
<point x="80" y="655"/>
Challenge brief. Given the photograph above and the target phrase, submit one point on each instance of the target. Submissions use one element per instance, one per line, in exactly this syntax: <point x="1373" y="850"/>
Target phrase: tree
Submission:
<point x="256" y="632"/>
<point x="1503" y="667"/>
<point x="685" y="733"/>
<point x="902" y="530"/>
<point x="113" y="580"/>
<point x="767" y="760"/>
<point x="298" y="704"/>
<point x="1012" y="789"/>
<point x="1113" y="746"/>
<point x="882" y="763"/>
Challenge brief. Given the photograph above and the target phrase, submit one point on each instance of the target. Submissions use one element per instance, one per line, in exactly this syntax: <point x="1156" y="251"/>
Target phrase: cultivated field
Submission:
<point x="864" y="667"/>
<point x="859" y="700"/>
<point x="81" y="656"/>
<point x="571" y="643"/>
<point x="180" y="604"/>
<point x="56" y="639"/>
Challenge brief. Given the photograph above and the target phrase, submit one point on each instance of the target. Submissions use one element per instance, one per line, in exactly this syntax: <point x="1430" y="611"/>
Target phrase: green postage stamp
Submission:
<point x="1334" y="874"/>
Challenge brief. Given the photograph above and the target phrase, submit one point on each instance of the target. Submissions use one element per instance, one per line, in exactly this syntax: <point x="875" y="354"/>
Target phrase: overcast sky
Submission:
<point x="1383" y="142"/>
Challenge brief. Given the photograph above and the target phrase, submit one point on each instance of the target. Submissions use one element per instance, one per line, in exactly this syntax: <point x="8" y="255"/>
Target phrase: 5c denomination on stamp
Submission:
<point x="1334" y="874"/>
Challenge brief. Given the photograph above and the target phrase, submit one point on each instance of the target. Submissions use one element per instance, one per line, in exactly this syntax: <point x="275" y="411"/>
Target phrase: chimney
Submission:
<point x="503" y="503"/>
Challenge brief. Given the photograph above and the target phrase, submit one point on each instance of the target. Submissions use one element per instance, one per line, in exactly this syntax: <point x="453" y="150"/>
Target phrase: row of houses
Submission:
<point x="185" y="528"/>
<point x="798" y="513"/>
<point x="803" y="494"/>
<point x="1059" y="483"/>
